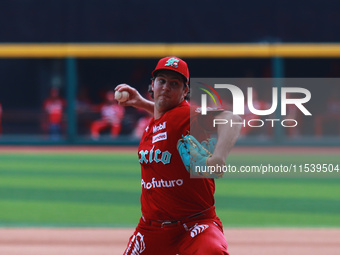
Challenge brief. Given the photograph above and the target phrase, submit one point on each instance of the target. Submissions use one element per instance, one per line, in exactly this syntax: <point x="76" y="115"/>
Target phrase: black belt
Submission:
<point x="174" y="223"/>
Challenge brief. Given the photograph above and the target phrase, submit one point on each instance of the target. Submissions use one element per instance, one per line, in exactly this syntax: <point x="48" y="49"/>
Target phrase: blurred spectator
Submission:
<point x="111" y="116"/>
<point x="330" y="119"/>
<point x="54" y="107"/>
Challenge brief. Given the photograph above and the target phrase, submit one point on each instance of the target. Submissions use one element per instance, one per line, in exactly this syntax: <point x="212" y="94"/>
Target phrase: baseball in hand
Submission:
<point x="121" y="96"/>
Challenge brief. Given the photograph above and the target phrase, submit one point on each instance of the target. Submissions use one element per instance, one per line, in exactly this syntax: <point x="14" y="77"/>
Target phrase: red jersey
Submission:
<point x="168" y="192"/>
<point x="112" y="113"/>
<point x="54" y="108"/>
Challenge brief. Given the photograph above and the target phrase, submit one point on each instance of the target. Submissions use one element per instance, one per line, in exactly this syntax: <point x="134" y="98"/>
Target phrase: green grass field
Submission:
<point x="103" y="190"/>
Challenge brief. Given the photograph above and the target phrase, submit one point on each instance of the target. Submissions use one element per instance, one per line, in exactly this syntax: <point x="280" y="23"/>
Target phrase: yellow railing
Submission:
<point x="156" y="50"/>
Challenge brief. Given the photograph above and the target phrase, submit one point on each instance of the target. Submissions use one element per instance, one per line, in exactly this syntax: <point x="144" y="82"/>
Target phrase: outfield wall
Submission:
<point x="85" y="71"/>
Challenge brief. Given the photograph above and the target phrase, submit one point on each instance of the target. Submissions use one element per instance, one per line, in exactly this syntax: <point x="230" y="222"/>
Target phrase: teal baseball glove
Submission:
<point x="209" y="144"/>
<point x="195" y="155"/>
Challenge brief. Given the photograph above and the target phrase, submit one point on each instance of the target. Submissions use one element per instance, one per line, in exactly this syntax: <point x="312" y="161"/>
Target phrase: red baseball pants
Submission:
<point x="200" y="237"/>
<point x="98" y="125"/>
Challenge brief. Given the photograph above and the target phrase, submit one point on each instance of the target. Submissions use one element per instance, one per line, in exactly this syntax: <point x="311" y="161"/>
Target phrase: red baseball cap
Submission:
<point x="174" y="64"/>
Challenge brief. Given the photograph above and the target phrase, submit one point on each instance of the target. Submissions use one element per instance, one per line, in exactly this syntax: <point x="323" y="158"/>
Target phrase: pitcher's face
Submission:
<point x="169" y="90"/>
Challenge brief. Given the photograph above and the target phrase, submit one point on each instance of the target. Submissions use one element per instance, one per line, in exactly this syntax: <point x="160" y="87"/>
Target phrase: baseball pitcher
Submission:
<point x="178" y="212"/>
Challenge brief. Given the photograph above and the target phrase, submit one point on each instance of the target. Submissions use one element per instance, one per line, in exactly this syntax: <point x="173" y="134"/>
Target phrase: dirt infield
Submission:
<point x="106" y="241"/>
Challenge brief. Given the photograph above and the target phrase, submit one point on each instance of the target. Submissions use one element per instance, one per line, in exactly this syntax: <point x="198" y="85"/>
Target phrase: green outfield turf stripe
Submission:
<point x="78" y="167"/>
<point x="104" y="184"/>
<point x="33" y="213"/>
<point x="287" y="188"/>
<point x="69" y="214"/>
<point x="251" y="203"/>
<point x="69" y="155"/>
<point x="283" y="158"/>
<point x="62" y="162"/>
<point x="71" y="195"/>
<point x="236" y="188"/>
<point x="70" y="174"/>
<point x="71" y="171"/>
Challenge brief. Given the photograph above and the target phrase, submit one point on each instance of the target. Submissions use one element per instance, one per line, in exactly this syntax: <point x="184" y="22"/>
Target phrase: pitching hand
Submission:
<point x="135" y="99"/>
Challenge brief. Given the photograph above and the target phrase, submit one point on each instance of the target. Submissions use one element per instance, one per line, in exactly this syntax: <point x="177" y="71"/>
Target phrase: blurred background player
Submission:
<point x="328" y="122"/>
<point x="53" y="107"/>
<point x="111" y="117"/>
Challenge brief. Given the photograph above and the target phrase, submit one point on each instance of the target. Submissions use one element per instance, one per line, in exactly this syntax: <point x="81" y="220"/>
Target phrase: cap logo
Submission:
<point x="172" y="62"/>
